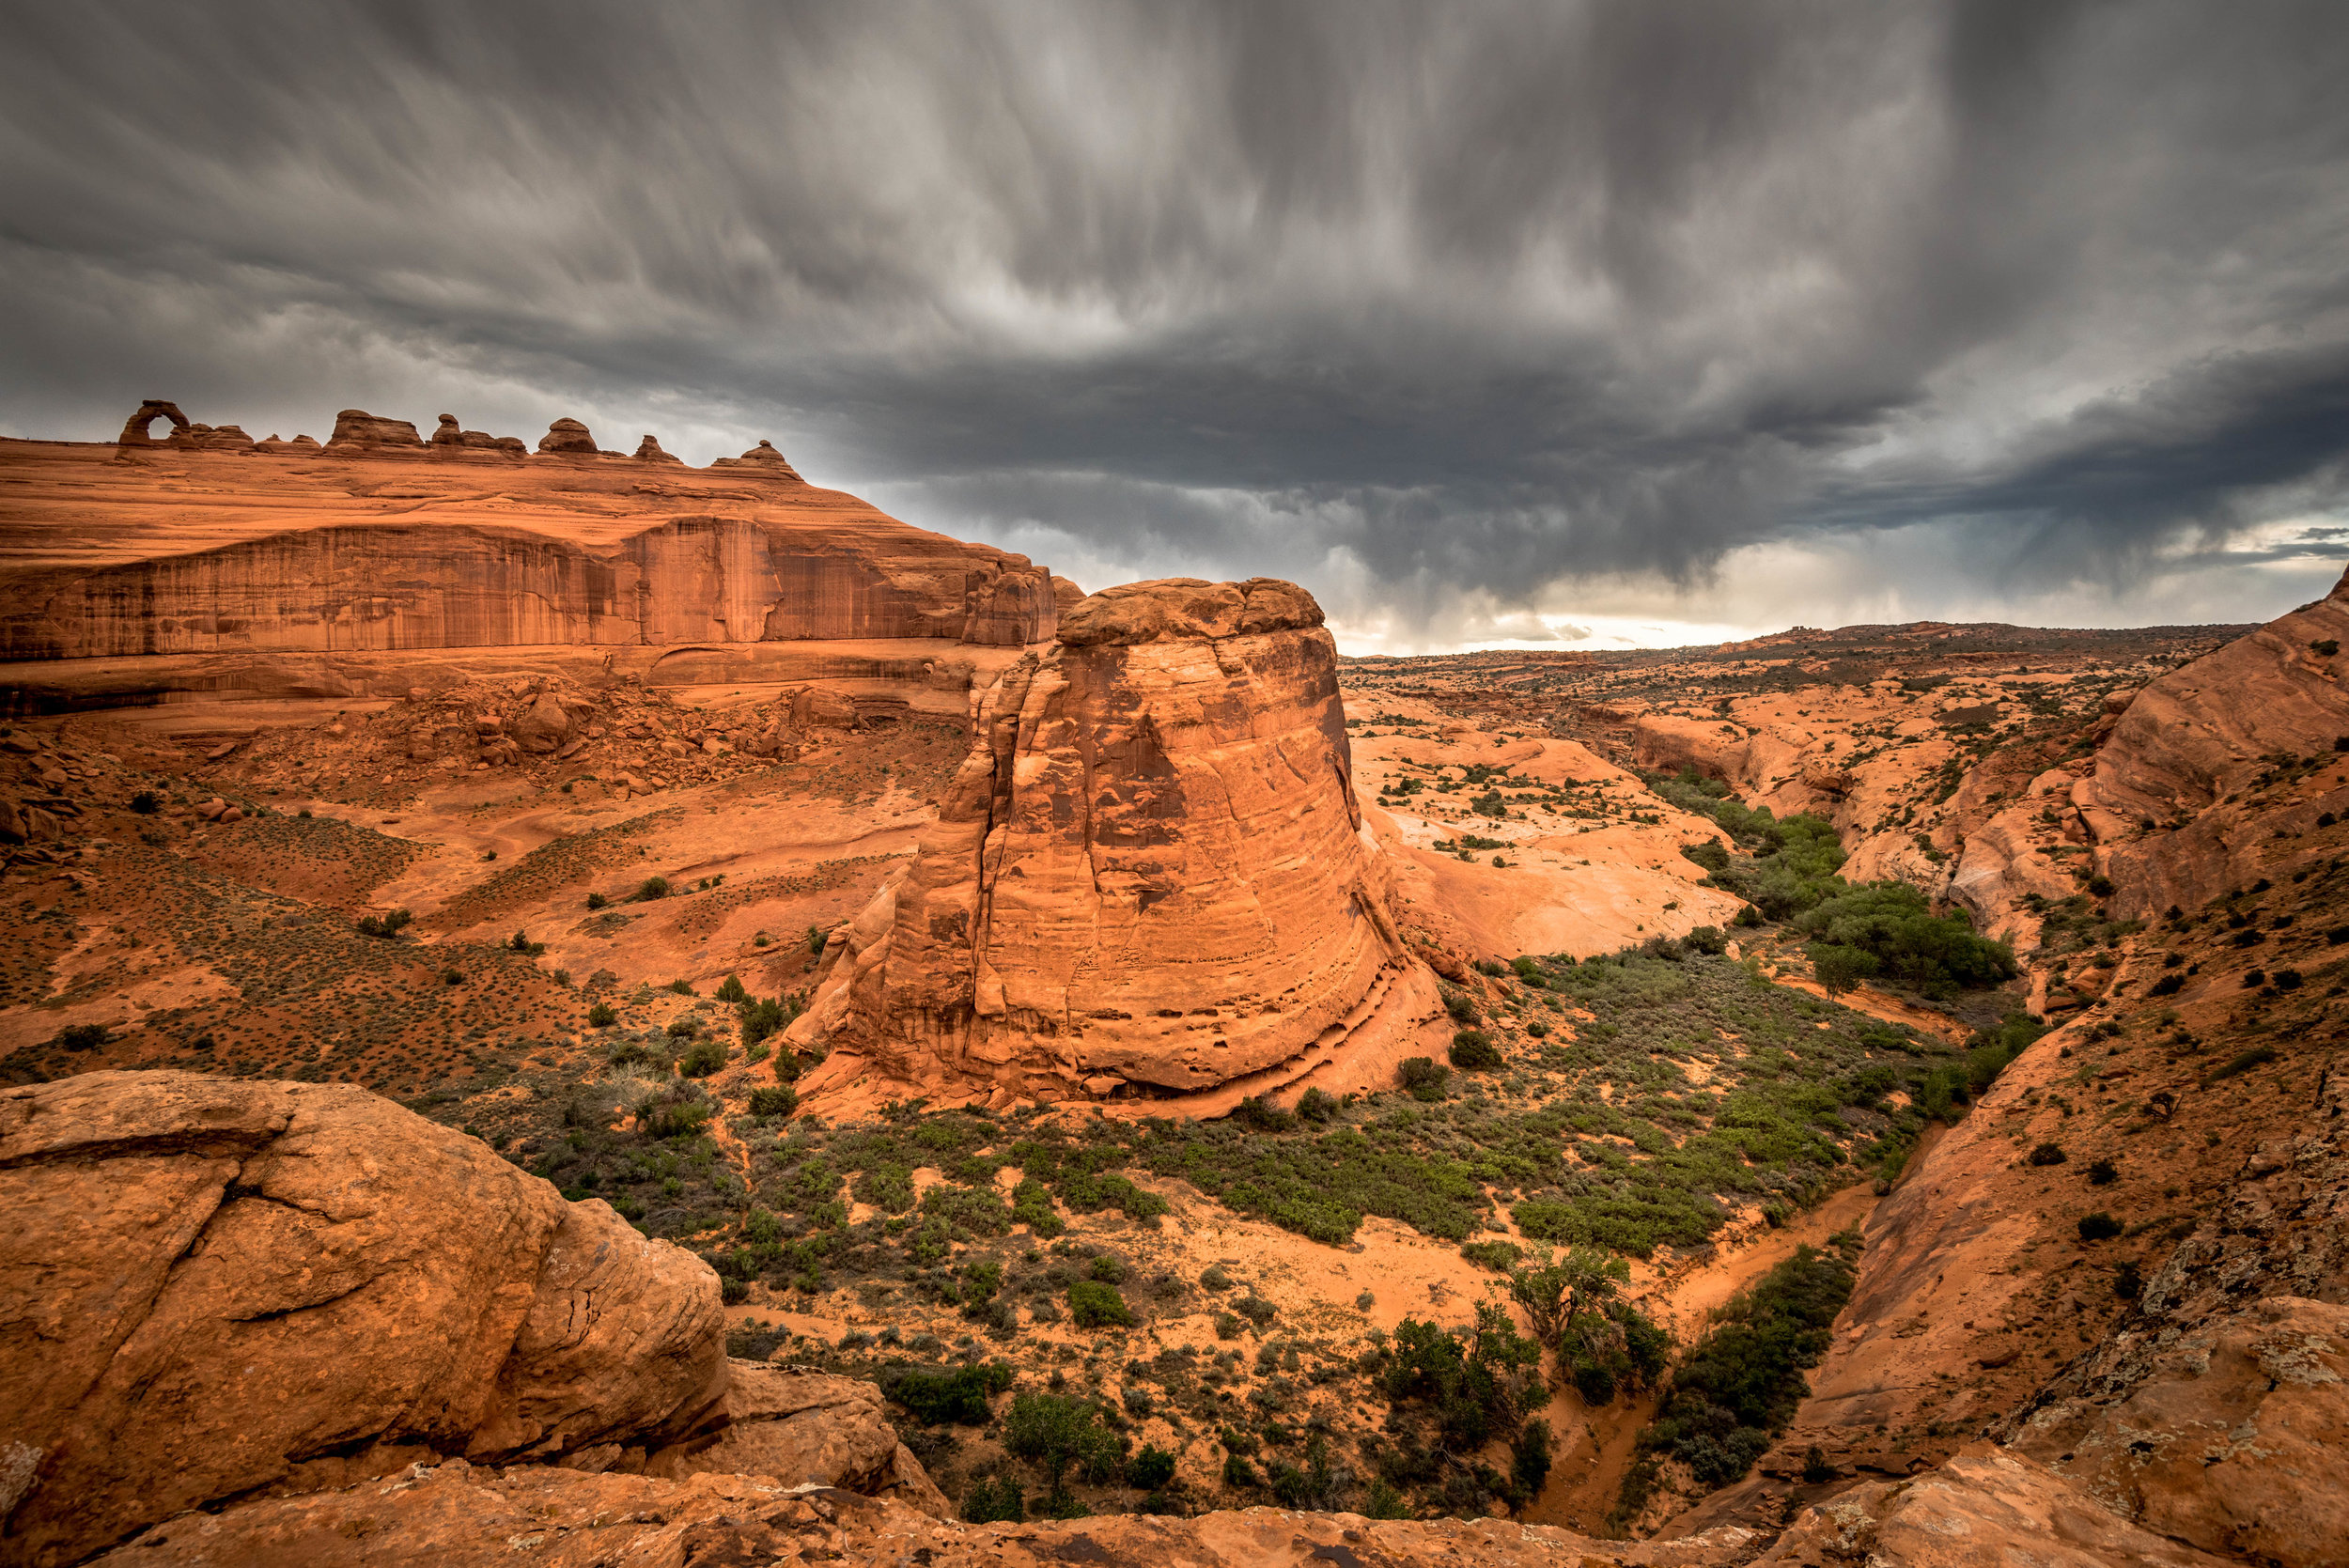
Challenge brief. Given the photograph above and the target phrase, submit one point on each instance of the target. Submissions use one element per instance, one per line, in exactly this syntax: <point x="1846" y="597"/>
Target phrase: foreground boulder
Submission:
<point x="1148" y="870"/>
<point x="208" y="1287"/>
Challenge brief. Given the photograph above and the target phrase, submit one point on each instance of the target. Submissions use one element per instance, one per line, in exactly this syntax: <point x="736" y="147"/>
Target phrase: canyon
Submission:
<point x="559" y="1005"/>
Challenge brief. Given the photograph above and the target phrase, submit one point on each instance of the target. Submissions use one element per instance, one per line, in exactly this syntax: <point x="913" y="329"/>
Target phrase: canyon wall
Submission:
<point x="1150" y="870"/>
<point x="376" y="546"/>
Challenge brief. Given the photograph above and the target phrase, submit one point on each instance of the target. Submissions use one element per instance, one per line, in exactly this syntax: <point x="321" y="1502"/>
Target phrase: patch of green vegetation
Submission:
<point x="1738" y="1387"/>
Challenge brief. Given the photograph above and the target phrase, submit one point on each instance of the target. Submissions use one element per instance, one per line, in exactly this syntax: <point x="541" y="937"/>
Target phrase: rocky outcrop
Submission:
<point x="2209" y="1414"/>
<point x="1977" y="1511"/>
<point x="648" y="451"/>
<point x="1977" y="1508"/>
<point x="568" y="436"/>
<point x="2166" y="807"/>
<point x="210" y="1286"/>
<point x="1149" y="869"/>
<point x="800" y="1425"/>
<point x="355" y="431"/>
<point x="450" y="438"/>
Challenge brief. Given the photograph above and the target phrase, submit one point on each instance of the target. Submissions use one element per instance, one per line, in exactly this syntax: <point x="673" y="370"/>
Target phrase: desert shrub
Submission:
<point x="673" y="1116"/>
<point x="147" y="802"/>
<point x="1499" y="1256"/>
<point x="1095" y="1305"/>
<point x="1529" y="1461"/>
<point x="1151" y="1470"/>
<point x="2047" y="1154"/>
<point x="2168" y="986"/>
<point x="1255" y="1309"/>
<point x="1840" y="969"/>
<point x="1474" y="1382"/>
<point x="596" y="901"/>
<point x="938" y="1395"/>
<point x="2102" y="1173"/>
<point x="82" y="1037"/>
<point x="1739" y="1384"/>
<point x="1055" y="1432"/>
<point x="1263" y="1115"/>
<point x="703" y="1058"/>
<point x="2128" y="1282"/>
<point x="776" y="1100"/>
<point x="1462" y="1009"/>
<point x="1423" y="1077"/>
<point x="1472" y="1050"/>
<point x="385" y="925"/>
<point x="1708" y="938"/>
<point x="1214" y="1277"/>
<point x="731" y="990"/>
<point x="601" y="1016"/>
<point x="2258" y="1056"/>
<point x="1892" y="924"/>
<point x="653" y="886"/>
<point x="2099" y="1226"/>
<point x="1317" y="1105"/>
<point x="978" y="1210"/>
<point x="994" y="1500"/>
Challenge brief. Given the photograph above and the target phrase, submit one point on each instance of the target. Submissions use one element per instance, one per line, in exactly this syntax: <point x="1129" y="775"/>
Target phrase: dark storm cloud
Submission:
<point x="1441" y="310"/>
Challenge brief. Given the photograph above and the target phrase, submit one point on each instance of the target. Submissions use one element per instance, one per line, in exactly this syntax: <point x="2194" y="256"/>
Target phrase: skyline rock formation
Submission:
<point x="1149" y="871"/>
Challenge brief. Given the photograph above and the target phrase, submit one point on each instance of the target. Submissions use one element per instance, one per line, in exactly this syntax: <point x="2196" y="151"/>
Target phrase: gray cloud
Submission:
<point x="1453" y="314"/>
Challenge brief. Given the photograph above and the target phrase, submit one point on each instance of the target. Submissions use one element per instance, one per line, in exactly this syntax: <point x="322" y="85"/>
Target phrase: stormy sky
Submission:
<point x="1573" y="324"/>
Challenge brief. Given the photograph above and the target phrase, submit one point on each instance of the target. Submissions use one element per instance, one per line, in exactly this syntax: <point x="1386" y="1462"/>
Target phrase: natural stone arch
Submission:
<point x="138" y="430"/>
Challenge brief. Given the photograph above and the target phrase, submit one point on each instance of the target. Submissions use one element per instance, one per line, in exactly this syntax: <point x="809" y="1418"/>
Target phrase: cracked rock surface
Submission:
<point x="208" y="1288"/>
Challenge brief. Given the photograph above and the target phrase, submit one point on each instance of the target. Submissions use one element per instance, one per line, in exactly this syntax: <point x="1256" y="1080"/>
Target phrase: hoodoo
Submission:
<point x="1150" y="870"/>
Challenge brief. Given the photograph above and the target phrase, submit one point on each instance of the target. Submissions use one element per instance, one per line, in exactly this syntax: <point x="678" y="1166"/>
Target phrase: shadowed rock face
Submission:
<point x="206" y="1283"/>
<point x="1148" y="869"/>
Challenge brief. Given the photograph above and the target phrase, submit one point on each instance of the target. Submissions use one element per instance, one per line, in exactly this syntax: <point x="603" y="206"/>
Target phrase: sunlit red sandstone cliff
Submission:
<point x="1151" y="870"/>
<point x="208" y="562"/>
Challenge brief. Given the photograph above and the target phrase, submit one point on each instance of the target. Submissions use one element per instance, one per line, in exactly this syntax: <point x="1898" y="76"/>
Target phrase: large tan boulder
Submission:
<point x="1148" y="870"/>
<point x="208" y="1286"/>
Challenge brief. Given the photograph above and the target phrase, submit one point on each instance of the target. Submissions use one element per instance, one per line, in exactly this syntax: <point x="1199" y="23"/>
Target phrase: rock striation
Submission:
<point x="208" y="1286"/>
<point x="1149" y="869"/>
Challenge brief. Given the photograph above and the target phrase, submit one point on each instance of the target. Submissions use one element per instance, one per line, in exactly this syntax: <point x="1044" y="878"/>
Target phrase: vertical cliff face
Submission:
<point x="1149" y="869"/>
<point x="174" y="552"/>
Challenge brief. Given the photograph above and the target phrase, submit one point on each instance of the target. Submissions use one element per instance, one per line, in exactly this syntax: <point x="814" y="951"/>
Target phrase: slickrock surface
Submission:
<point x="206" y="1284"/>
<point x="383" y="544"/>
<point x="1150" y="870"/>
<point x="2166" y="805"/>
<point x="796" y="1424"/>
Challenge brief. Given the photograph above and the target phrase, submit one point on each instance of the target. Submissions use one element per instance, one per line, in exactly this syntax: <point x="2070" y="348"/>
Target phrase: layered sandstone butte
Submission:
<point x="385" y="543"/>
<point x="206" y="1284"/>
<point x="1148" y="870"/>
